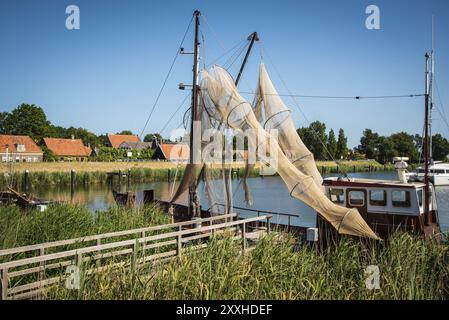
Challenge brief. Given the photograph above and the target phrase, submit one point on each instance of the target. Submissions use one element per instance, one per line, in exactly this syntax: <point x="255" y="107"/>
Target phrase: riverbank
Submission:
<point x="59" y="173"/>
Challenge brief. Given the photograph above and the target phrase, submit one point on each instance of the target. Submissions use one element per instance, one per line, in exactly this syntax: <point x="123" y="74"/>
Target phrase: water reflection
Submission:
<point x="269" y="193"/>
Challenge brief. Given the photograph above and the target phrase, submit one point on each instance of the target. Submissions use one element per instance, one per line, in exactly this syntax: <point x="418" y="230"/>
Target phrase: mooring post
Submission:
<point x="129" y="177"/>
<point x="169" y="175"/>
<point x="119" y="177"/>
<point x="72" y="183"/>
<point x="26" y="181"/>
<point x="243" y="238"/>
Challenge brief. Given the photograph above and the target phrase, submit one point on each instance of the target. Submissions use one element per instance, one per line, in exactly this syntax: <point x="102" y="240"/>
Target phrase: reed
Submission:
<point x="410" y="268"/>
<point x="65" y="221"/>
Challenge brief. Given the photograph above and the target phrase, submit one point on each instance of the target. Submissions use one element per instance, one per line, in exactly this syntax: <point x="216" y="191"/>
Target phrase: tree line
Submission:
<point x="325" y="146"/>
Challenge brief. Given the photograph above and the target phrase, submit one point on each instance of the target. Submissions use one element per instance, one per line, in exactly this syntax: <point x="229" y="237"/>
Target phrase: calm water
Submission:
<point x="269" y="193"/>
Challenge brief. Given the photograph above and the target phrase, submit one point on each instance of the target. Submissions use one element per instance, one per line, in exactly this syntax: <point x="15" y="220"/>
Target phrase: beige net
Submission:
<point x="222" y="99"/>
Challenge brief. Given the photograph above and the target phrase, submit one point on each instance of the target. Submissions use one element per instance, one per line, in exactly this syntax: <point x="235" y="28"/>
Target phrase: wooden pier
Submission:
<point x="29" y="271"/>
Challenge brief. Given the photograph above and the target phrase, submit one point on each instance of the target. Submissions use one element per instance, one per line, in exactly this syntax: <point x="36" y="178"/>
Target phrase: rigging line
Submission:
<point x="298" y="106"/>
<point x="239" y="54"/>
<point x="236" y="46"/>
<point x="174" y="113"/>
<point x="234" y="56"/>
<point x="339" y="97"/>
<point x="166" y="78"/>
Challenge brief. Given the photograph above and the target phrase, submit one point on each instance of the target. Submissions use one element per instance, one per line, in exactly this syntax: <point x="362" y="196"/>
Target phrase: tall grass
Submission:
<point x="24" y="227"/>
<point x="409" y="269"/>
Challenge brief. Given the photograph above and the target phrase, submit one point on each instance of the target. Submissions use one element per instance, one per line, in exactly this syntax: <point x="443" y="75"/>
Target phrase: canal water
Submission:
<point x="269" y="193"/>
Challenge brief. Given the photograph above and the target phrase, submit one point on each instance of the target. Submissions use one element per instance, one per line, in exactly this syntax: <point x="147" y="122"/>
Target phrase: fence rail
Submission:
<point x="36" y="274"/>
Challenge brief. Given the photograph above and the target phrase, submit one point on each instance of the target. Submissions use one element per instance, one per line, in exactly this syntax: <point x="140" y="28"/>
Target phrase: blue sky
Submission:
<point x="106" y="76"/>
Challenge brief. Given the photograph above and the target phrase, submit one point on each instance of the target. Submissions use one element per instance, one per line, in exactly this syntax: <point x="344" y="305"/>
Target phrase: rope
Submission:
<point x="166" y="78"/>
<point x="339" y="97"/>
<point x="174" y="113"/>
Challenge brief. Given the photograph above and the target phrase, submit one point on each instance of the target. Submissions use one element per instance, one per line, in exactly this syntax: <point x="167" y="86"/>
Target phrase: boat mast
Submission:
<point x="195" y="146"/>
<point x="431" y="82"/>
<point x="253" y="37"/>
<point x="426" y="143"/>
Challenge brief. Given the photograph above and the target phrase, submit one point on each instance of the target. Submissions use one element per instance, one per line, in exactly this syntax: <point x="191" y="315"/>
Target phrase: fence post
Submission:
<point x="243" y="238"/>
<point x="179" y="244"/>
<point x="268" y="225"/>
<point x="4" y="283"/>
<point x="42" y="264"/>
<point x="289" y="218"/>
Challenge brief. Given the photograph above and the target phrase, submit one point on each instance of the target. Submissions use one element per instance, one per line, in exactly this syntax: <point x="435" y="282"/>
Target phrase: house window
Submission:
<point x="400" y="198"/>
<point x="378" y="197"/>
<point x="420" y="197"/>
<point x="337" y="195"/>
<point x="20" y="147"/>
<point x="357" y="198"/>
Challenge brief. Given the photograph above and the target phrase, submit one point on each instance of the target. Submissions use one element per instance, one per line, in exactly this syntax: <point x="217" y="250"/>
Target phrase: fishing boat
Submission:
<point x="438" y="174"/>
<point x="370" y="209"/>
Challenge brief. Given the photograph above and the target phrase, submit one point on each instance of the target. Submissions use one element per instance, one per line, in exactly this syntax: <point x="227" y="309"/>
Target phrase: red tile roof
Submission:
<point x="66" y="147"/>
<point x="13" y="141"/>
<point x="175" y="151"/>
<point x="117" y="139"/>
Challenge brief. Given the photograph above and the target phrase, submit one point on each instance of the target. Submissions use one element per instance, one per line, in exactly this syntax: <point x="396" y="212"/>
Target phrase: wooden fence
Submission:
<point x="30" y="270"/>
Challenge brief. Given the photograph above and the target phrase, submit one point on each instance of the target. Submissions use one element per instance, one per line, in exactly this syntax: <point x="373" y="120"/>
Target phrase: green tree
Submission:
<point x="368" y="144"/>
<point x="440" y="147"/>
<point x="125" y="132"/>
<point x="3" y="116"/>
<point x="315" y="138"/>
<point x="149" y="137"/>
<point x="405" y="146"/>
<point x="342" y="145"/>
<point x="332" y="144"/>
<point x="386" y="149"/>
<point x="26" y="119"/>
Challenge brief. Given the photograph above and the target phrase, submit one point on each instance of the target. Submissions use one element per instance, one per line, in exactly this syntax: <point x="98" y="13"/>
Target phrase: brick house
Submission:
<point x="19" y="149"/>
<point x="115" y="140"/>
<point x="68" y="149"/>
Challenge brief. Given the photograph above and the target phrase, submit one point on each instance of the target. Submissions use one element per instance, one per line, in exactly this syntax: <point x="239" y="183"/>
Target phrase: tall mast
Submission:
<point x="253" y="37"/>
<point x="431" y="84"/>
<point x="426" y="144"/>
<point x="195" y="146"/>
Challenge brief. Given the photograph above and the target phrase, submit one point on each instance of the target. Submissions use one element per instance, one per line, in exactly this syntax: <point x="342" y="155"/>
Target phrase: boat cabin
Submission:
<point x="386" y="205"/>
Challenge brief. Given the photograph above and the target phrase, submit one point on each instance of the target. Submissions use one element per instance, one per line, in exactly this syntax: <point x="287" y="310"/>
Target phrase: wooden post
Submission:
<point x="119" y="178"/>
<point x="268" y="225"/>
<point x="72" y="183"/>
<point x="179" y="244"/>
<point x="243" y="238"/>
<point x="169" y="175"/>
<point x="26" y="182"/>
<point x="129" y="177"/>
<point x="4" y="283"/>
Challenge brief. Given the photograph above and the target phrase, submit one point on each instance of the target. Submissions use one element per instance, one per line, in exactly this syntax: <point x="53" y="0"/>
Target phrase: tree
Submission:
<point x="368" y="144"/>
<point x="440" y="147"/>
<point x="149" y="137"/>
<point x="314" y="137"/>
<point x="3" y="116"/>
<point x="405" y="146"/>
<point x="26" y="119"/>
<point x="342" y="145"/>
<point x="125" y="132"/>
<point x="332" y="144"/>
<point x="386" y="149"/>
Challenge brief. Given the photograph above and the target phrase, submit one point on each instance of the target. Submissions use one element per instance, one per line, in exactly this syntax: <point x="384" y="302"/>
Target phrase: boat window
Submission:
<point x="420" y="194"/>
<point x="337" y="195"/>
<point x="356" y="198"/>
<point x="438" y="171"/>
<point x="378" y="197"/>
<point x="420" y="170"/>
<point x="400" y="198"/>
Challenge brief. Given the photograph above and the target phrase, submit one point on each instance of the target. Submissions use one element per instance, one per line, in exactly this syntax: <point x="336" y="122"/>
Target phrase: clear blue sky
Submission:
<point x="105" y="76"/>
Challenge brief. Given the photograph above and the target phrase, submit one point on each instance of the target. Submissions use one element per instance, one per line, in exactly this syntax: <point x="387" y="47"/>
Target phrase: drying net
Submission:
<point x="223" y="102"/>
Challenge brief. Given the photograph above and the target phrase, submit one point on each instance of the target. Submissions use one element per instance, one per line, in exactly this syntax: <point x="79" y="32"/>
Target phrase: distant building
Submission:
<point x="68" y="149"/>
<point x="135" y="145"/>
<point x="172" y="152"/>
<point x="19" y="149"/>
<point x="115" y="140"/>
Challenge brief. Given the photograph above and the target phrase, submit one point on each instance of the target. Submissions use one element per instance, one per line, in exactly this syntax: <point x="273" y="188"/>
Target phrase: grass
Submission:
<point x="409" y="269"/>
<point x="64" y="221"/>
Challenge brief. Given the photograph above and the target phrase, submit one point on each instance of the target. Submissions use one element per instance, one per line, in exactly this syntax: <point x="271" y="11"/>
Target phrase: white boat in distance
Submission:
<point x="438" y="174"/>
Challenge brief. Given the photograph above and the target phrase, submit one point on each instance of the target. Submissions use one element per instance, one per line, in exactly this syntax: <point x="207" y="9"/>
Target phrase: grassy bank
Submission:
<point x="409" y="269"/>
<point x="58" y="174"/>
<point x="20" y="228"/>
